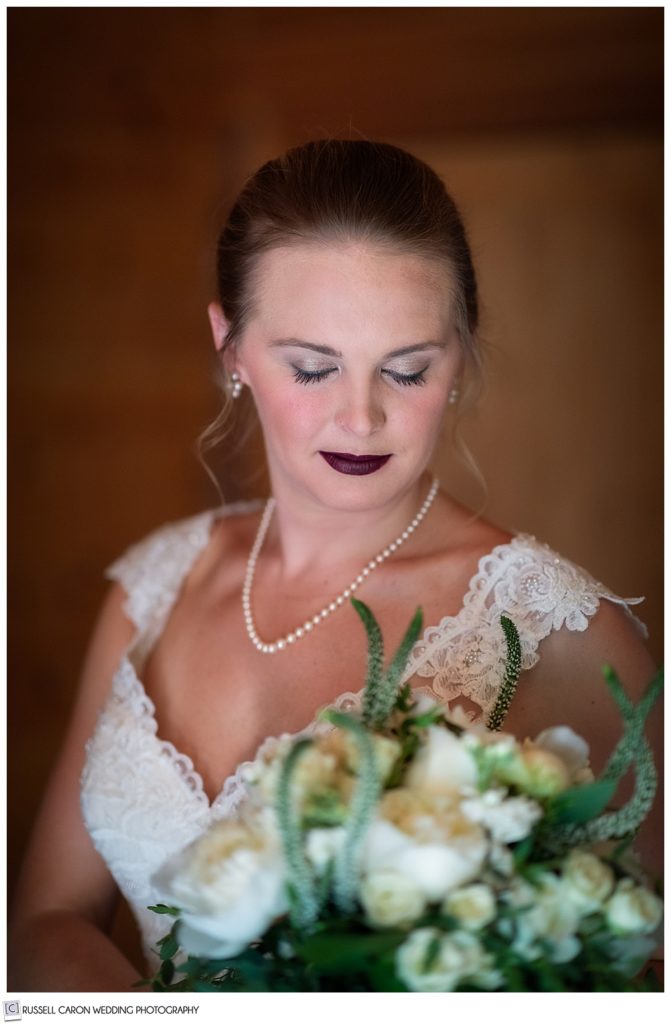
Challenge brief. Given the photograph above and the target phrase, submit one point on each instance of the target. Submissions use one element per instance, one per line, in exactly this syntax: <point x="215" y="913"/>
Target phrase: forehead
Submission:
<point x="330" y="288"/>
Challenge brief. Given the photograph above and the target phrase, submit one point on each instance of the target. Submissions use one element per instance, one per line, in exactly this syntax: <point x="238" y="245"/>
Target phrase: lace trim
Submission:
<point x="128" y="688"/>
<point x="464" y="655"/>
<point x="527" y="581"/>
<point x="153" y="570"/>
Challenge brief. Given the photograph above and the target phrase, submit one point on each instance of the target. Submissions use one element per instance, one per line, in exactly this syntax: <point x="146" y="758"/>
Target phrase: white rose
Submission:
<point x="442" y="763"/>
<point x="437" y="867"/>
<point x="391" y="899"/>
<point x="633" y="909"/>
<point x="229" y="884"/>
<point x="459" y="958"/>
<point x="571" y="748"/>
<point x="501" y="860"/>
<point x="587" y="880"/>
<point x="322" y="845"/>
<point x="507" y="820"/>
<point x="552" y="917"/>
<point x="434" y="844"/>
<point x="474" y="906"/>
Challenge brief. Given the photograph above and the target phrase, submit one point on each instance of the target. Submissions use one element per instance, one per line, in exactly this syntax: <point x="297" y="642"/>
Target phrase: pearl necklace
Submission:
<point x="337" y="602"/>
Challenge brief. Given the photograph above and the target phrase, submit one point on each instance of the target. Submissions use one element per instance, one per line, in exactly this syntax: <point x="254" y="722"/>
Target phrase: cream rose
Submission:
<point x="229" y="884"/>
<point x="391" y="899"/>
<point x="571" y="748"/>
<point x="552" y="917"/>
<point x="426" y="837"/>
<point x="474" y="906"/>
<point x="459" y="958"/>
<point x="633" y="909"/>
<point x="587" y="880"/>
<point x="443" y="763"/>
<point x="536" y="771"/>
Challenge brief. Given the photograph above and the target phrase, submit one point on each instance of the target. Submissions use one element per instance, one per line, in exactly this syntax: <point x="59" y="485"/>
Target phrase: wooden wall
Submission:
<point x="130" y="130"/>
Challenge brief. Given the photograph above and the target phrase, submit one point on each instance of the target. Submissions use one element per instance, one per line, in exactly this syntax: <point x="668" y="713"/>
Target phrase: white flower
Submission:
<point x="507" y="819"/>
<point x="501" y="859"/>
<point x="230" y="884"/>
<point x="322" y="844"/>
<point x="633" y="909"/>
<point x="442" y="763"/>
<point x="426" y="837"/>
<point x="436" y="867"/>
<point x="571" y="748"/>
<point x="459" y="958"/>
<point x="587" y="880"/>
<point x="536" y="771"/>
<point x="391" y="898"/>
<point x="552" y="917"/>
<point x="473" y="905"/>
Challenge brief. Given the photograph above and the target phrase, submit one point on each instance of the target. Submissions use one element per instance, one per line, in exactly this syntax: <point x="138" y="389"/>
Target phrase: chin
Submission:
<point x="355" y="493"/>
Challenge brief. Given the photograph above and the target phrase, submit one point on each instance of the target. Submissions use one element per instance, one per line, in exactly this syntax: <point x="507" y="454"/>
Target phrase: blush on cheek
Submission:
<point x="425" y="417"/>
<point x="294" y="415"/>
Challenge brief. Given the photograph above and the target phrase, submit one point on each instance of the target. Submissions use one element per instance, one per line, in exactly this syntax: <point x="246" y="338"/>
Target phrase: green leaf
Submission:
<point x="400" y="660"/>
<point x="162" y="908"/>
<point x="431" y="717"/>
<point x="375" y="657"/>
<point x="523" y="849"/>
<point x="333" y="952"/>
<point x="301" y="881"/>
<point x="167" y="971"/>
<point x="383" y="976"/>
<point x="580" y="803"/>
<point x="168" y="946"/>
<point x="511" y="674"/>
<point x="404" y="699"/>
<point x="362" y="805"/>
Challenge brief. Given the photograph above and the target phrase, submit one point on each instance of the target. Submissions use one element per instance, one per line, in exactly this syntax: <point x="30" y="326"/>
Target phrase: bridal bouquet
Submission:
<point x="405" y="850"/>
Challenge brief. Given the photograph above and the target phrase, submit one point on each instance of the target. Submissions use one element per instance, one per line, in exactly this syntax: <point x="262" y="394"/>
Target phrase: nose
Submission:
<point x="361" y="411"/>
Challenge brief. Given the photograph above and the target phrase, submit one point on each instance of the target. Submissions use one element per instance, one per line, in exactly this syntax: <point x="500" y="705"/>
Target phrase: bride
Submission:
<point x="348" y="307"/>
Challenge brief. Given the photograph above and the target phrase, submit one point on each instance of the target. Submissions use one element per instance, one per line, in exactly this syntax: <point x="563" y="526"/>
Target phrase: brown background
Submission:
<point x="130" y="132"/>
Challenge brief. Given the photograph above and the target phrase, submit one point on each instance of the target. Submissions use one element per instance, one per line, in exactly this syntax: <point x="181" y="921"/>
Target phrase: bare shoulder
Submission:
<point x="463" y="535"/>
<point x="567" y="686"/>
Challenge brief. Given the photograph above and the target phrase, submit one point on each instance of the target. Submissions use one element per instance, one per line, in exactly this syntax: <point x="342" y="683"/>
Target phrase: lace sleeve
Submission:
<point x="540" y="591"/>
<point x="151" y="570"/>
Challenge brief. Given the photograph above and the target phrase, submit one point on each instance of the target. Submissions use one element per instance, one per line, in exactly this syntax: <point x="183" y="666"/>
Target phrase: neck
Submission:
<point x="309" y="539"/>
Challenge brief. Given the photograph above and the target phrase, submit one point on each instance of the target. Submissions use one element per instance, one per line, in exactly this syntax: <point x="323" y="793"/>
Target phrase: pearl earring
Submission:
<point x="236" y="384"/>
<point x="453" y="396"/>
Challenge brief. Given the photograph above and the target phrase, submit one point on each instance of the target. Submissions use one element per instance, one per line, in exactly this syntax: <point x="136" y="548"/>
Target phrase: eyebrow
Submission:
<point x="326" y="350"/>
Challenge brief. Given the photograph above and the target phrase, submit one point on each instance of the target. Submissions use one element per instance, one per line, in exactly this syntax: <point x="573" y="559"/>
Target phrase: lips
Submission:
<point x="354" y="465"/>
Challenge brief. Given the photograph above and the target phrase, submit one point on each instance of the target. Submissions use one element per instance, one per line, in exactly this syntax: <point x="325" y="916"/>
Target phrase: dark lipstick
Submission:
<point x="354" y="465"/>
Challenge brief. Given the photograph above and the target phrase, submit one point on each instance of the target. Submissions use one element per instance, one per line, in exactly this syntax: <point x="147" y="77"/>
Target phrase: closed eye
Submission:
<point x="408" y="378"/>
<point x="312" y="376"/>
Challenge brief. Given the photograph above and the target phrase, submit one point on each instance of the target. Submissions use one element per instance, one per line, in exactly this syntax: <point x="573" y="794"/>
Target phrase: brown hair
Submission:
<point x="337" y="190"/>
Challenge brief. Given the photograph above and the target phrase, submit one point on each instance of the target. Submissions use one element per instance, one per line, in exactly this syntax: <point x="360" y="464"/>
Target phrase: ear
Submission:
<point x="218" y="324"/>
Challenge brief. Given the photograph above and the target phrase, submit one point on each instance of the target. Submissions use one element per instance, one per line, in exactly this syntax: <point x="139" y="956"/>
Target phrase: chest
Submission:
<point x="217" y="697"/>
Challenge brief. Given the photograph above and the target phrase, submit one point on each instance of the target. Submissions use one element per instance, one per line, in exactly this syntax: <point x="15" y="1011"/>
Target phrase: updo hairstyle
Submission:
<point x="336" y="191"/>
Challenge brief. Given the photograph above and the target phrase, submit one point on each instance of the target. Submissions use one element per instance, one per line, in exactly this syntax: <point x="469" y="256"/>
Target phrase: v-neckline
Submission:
<point x="187" y="767"/>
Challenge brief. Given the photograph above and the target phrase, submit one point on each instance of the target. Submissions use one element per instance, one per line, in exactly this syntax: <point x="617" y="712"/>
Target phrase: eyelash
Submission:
<point x="307" y="377"/>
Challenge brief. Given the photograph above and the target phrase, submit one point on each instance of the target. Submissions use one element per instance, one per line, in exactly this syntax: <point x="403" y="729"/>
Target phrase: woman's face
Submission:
<point x="350" y="355"/>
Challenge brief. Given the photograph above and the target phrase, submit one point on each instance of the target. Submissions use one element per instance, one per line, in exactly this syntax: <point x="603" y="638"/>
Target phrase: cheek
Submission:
<point x="424" y="418"/>
<point x="289" y="412"/>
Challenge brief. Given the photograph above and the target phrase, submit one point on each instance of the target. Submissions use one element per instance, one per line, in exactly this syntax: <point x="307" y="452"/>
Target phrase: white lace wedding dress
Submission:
<point x="142" y="800"/>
